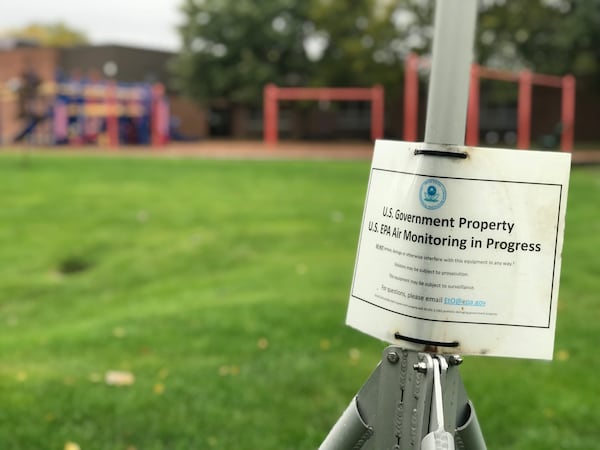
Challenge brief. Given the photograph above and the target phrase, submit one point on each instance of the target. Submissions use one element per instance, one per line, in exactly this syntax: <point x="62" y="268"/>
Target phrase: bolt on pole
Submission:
<point x="452" y="55"/>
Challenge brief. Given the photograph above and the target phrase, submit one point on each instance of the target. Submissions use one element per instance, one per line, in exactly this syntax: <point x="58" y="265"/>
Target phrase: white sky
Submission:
<point x="139" y="23"/>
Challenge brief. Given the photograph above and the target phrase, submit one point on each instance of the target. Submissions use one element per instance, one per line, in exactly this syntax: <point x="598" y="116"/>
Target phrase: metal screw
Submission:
<point x="393" y="357"/>
<point x="455" y="360"/>
<point x="420" y="367"/>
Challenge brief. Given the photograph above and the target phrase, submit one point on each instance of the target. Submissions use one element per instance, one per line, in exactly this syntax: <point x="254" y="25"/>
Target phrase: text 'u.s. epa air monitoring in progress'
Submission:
<point x="462" y="251"/>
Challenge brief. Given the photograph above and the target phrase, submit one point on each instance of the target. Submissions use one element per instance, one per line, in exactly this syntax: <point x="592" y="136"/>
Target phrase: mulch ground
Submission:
<point x="234" y="149"/>
<point x="299" y="150"/>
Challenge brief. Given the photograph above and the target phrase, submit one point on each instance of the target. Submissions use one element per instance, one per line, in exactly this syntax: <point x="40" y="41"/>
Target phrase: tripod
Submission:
<point x="416" y="400"/>
<point x="409" y="402"/>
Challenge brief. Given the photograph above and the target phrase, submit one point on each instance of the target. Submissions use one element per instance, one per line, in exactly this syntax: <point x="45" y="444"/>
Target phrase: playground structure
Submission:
<point x="108" y="113"/>
<point x="79" y="112"/>
<point x="273" y="94"/>
<point x="525" y="79"/>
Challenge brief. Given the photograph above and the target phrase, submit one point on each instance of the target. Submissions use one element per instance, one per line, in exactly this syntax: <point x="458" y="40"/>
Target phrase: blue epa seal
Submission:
<point x="432" y="194"/>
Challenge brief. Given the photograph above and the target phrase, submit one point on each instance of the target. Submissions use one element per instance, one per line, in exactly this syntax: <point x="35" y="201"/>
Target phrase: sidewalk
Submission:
<point x="233" y="149"/>
<point x="585" y="157"/>
<point x="224" y="149"/>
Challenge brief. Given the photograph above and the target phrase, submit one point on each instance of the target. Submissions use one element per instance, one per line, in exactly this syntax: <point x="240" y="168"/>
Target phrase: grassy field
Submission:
<point x="218" y="290"/>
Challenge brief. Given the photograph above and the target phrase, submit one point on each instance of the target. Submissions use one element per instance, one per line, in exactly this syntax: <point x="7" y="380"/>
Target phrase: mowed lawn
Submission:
<point x="196" y="304"/>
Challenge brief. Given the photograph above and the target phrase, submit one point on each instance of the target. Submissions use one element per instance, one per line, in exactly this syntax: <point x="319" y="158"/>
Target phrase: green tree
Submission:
<point x="51" y="35"/>
<point x="550" y="36"/>
<point x="366" y="41"/>
<point x="232" y="48"/>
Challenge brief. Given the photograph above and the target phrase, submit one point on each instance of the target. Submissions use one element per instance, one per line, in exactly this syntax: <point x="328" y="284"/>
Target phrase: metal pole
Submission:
<point x="393" y="405"/>
<point x="112" y="115"/>
<point x="568" y="113"/>
<point x="349" y="432"/>
<point x="411" y="97"/>
<point x="271" y="115"/>
<point x="524" y="109"/>
<point x="377" y="112"/>
<point x="449" y="80"/>
<point x="472" y="137"/>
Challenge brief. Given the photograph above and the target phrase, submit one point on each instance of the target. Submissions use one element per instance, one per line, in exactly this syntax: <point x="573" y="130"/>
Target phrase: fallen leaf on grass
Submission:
<point x="119" y="332"/>
<point x="562" y="355"/>
<point x="95" y="377"/>
<point x="301" y="269"/>
<point x="72" y="446"/>
<point x="119" y="378"/>
<point x="229" y="370"/>
<point x="22" y="376"/>
<point x="263" y="343"/>
<point x="325" y="344"/>
<point x="337" y="216"/>
<point x="354" y="354"/>
<point x="142" y="216"/>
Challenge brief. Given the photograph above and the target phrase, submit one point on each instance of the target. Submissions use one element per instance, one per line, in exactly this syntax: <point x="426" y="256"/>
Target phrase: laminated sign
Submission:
<point x="462" y="255"/>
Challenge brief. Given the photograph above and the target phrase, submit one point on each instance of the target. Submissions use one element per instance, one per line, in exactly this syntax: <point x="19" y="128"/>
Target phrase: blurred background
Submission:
<point x="214" y="58"/>
<point x="171" y="279"/>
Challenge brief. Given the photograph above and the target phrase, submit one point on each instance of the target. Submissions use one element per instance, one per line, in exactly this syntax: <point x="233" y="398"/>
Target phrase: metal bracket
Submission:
<point x="393" y="408"/>
<point x="438" y="437"/>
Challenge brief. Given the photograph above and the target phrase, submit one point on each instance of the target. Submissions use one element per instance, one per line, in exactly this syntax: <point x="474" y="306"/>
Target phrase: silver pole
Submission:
<point x="452" y="55"/>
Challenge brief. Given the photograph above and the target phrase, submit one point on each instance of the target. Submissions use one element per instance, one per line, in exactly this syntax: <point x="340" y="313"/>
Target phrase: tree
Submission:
<point x="51" y="35"/>
<point x="550" y="36"/>
<point x="232" y="48"/>
<point x="365" y="42"/>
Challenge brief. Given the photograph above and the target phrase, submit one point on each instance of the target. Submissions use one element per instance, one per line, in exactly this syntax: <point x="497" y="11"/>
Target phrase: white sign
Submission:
<point x="461" y="254"/>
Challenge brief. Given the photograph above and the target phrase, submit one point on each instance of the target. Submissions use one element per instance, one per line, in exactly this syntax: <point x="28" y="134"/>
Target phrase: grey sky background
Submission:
<point x="140" y="23"/>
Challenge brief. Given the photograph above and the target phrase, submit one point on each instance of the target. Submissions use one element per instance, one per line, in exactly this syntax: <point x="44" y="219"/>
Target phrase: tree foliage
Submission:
<point x="51" y="35"/>
<point x="232" y="48"/>
<point x="549" y="36"/>
<point x="366" y="41"/>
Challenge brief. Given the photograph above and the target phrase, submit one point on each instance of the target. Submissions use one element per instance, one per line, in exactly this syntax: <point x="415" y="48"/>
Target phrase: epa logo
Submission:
<point x="432" y="194"/>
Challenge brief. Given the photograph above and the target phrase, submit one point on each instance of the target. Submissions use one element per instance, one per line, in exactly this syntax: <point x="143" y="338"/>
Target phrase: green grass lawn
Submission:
<point x="222" y="286"/>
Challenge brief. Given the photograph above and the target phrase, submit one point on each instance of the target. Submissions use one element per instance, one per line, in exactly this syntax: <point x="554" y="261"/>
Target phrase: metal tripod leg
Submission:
<point x="392" y="409"/>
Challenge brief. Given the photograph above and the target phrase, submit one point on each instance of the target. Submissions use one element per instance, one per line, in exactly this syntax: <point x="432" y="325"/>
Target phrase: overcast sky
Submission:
<point x="140" y="23"/>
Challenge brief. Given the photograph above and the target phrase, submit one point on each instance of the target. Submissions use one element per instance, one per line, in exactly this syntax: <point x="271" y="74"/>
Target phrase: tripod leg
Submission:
<point x="468" y="434"/>
<point x="392" y="409"/>
<point x="349" y="432"/>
